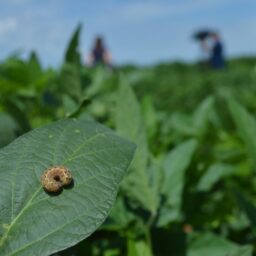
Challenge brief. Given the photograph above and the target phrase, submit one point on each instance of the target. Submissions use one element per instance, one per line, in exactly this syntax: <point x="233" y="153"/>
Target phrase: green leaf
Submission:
<point x="72" y="55"/>
<point x="150" y="116"/>
<point x="175" y="165"/>
<point x="70" y="82"/>
<point x="100" y="77"/>
<point x="212" y="245"/>
<point x="13" y="107"/>
<point x="246" y="125"/>
<point x="32" y="222"/>
<point x="213" y="174"/>
<point x="34" y="66"/>
<point x="244" y="251"/>
<point x="75" y="110"/>
<point x="138" y="248"/>
<point x="201" y="115"/>
<point x="181" y="123"/>
<point x="16" y="71"/>
<point x="195" y="124"/>
<point x="119" y="217"/>
<point x="248" y="207"/>
<point x="129" y="123"/>
<point x="8" y="129"/>
<point x="112" y="252"/>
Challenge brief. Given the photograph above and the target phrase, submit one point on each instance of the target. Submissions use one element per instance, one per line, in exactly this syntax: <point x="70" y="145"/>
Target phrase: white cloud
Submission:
<point x="7" y="25"/>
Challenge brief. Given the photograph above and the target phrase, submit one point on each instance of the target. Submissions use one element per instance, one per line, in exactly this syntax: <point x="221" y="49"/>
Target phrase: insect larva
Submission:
<point x="55" y="178"/>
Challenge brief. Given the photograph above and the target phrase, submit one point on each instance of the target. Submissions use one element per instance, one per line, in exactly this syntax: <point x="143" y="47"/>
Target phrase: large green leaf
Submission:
<point x="32" y="222"/>
<point x="129" y="123"/>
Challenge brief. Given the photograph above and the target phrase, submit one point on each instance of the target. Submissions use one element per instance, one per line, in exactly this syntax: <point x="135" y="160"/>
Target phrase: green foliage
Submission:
<point x="129" y="123"/>
<point x="246" y="125"/>
<point x="212" y="245"/>
<point x="248" y="208"/>
<point x="195" y="136"/>
<point x="138" y="248"/>
<point x="8" y="129"/>
<point x="213" y="174"/>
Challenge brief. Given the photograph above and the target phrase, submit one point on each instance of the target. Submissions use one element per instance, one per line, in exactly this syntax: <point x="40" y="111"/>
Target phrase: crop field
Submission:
<point x="190" y="184"/>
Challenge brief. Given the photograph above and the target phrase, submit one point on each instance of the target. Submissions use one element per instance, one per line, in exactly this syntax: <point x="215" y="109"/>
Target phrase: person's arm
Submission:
<point x="90" y="59"/>
<point x="205" y="46"/>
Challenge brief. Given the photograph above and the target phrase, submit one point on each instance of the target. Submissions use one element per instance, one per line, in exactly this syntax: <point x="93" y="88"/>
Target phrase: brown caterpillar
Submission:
<point x="55" y="178"/>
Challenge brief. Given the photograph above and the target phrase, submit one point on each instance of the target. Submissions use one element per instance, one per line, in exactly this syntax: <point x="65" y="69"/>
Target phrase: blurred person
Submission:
<point x="216" y="58"/>
<point x="99" y="54"/>
<point x="217" y="55"/>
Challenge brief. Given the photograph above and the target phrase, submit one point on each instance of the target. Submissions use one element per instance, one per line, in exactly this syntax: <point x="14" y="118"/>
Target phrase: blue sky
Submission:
<point x="137" y="31"/>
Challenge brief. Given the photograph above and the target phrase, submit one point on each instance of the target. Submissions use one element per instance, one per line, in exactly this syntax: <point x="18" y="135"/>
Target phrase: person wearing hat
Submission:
<point x="212" y="46"/>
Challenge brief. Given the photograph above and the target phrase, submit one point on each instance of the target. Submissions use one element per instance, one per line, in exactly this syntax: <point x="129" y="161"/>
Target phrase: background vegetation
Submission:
<point x="191" y="187"/>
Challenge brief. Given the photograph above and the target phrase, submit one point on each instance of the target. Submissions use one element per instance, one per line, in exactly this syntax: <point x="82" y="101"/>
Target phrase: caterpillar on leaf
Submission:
<point x="55" y="178"/>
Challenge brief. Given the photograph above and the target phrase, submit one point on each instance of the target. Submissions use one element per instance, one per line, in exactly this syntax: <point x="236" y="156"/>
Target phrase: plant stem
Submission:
<point x="148" y="231"/>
